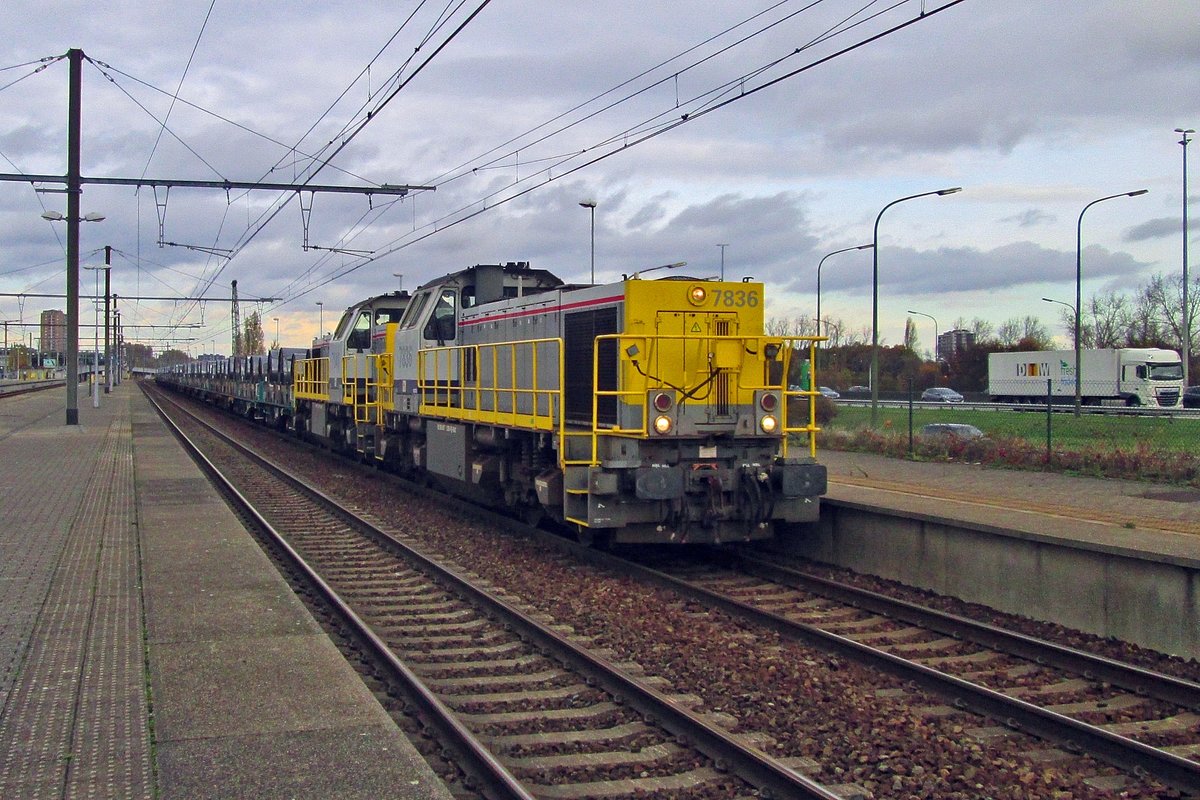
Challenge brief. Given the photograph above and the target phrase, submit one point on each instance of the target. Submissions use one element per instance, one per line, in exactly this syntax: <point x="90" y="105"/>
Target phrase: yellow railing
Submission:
<point x="722" y="354"/>
<point x="364" y="392"/>
<point x="310" y="377"/>
<point x="807" y="396"/>
<point x="502" y="383"/>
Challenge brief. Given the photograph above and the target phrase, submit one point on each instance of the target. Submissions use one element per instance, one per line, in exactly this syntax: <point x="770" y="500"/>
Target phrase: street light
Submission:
<point x="321" y="318"/>
<point x="723" y="246"/>
<point x="874" y="376"/>
<point x="935" y="333"/>
<point x="1187" y="317"/>
<point x="96" y="330"/>
<point x="591" y="204"/>
<point x="1079" y="289"/>
<point x="820" y="264"/>
<point x="73" y="218"/>
<point x="1061" y="303"/>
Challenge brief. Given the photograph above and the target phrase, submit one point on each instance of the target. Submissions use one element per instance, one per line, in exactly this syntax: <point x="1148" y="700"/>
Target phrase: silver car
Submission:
<point x="941" y="394"/>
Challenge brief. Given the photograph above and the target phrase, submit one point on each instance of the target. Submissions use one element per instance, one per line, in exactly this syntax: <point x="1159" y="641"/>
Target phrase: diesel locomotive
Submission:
<point x="641" y="411"/>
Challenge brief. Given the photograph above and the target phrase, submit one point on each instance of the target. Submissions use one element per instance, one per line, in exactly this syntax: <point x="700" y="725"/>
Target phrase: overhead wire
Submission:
<point x="179" y="86"/>
<point x="450" y="220"/>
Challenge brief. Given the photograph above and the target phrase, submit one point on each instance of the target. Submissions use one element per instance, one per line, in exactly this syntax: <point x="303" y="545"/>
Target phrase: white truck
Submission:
<point x="1125" y="376"/>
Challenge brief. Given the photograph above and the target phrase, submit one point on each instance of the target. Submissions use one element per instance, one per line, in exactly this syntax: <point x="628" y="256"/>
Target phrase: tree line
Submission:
<point x="1150" y="317"/>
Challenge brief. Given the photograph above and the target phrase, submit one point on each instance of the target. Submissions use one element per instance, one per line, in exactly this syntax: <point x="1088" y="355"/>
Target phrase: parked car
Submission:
<point x="827" y="392"/>
<point x="952" y="430"/>
<point x="1191" y="397"/>
<point x="941" y="394"/>
<point x="855" y="389"/>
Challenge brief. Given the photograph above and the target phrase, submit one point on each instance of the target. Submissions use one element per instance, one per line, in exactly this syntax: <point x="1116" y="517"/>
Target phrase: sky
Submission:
<point x="781" y="130"/>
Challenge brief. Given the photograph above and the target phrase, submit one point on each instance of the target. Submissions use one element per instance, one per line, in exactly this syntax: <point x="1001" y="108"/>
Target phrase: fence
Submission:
<point x="1125" y="442"/>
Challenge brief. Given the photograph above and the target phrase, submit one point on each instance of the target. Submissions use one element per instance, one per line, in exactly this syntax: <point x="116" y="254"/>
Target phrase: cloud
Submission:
<point x="1031" y="218"/>
<point x="1153" y="229"/>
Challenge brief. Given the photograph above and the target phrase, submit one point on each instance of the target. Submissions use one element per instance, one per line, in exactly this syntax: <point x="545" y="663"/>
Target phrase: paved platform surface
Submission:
<point x="1159" y="519"/>
<point x="147" y="646"/>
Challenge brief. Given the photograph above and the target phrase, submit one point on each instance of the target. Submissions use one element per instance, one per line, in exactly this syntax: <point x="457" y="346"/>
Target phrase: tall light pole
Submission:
<point x="320" y="319"/>
<point x="73" y="218"/>
<point x="1079" y="291"/>
<point x="820" y="264"/>
<point x="1061" y="303"/>
<point x="591" y="205"/>
<point x="276" y="331"/>
<point x="722" y="246"/>
<point x="96" y="332"/>
<point x="874" y="377"/>
<point x="1187" y="316"/>
<point x="935" y="333"/>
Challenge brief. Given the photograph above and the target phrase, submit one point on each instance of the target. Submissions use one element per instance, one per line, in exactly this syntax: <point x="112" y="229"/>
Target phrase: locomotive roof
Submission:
<point x="538" y="278"/>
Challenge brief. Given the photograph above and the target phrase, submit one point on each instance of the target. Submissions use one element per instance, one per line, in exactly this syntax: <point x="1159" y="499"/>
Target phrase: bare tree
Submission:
<point x="983" y="330"/>
<point x="1009" y="332"/>
<point x="1034" y="332"/>
<point x="1106" y="321"/>
<point x="1161" y="301"/>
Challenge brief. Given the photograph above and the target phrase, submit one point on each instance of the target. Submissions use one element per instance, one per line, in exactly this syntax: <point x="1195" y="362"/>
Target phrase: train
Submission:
<point x="643" y="411"/>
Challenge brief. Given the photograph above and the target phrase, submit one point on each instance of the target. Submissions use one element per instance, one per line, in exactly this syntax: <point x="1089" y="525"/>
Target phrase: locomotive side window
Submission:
<point x="441" y="325"/>
<point x="360" y="337"/>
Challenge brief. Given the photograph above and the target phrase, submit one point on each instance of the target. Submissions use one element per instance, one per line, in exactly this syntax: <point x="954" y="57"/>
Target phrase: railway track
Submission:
<point x="1142" y="721"/>
<point x="527" y="710"/>
<point x="1132" y="718"/>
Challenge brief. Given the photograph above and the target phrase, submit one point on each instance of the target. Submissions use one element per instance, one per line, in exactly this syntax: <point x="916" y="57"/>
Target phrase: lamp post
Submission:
<point x="320" y="318"/>
<point x="1187" y="316"/>
<point x="1079" y="290"/>
<point x="722" y="246"/>
<point x="591" y="205"/>
<point x="7" y="357"/>
<point x="820" y="264"/>
<point x="935" y="333"/>
<point x="874" y="376"/>
<point x="1061" y="303"/>
<point x="96" y="331"/>
<point x="276" y="331"/>
<point x="73" y="218"/>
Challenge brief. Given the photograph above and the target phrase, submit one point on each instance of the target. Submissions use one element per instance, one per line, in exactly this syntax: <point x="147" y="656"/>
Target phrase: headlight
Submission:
<point x="662" y="424"/>
<point x="769" y="402"/>
<point x="768" y="424"/>
<point x="662" y="402"/>
<point x="697" y="295"/>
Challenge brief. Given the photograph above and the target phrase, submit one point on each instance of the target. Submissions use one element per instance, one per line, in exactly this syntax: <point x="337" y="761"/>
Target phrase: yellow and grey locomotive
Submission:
<point x="640" y="411"/>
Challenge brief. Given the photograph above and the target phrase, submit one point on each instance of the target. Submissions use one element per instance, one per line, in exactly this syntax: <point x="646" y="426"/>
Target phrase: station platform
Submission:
<point x="148" y="648"/>
<point x="1149" y="518"/>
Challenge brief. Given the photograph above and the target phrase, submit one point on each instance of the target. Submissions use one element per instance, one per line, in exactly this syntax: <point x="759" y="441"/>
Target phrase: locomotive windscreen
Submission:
<point x="580" y="330"/>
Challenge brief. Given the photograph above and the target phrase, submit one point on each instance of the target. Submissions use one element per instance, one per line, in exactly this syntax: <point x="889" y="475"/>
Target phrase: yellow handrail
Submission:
<point x="452" y="386"/>
<point x="310" y="377"/>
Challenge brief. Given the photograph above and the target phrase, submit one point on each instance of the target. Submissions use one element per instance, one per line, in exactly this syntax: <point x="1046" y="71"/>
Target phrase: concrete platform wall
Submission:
<point x="1150" y="601"/>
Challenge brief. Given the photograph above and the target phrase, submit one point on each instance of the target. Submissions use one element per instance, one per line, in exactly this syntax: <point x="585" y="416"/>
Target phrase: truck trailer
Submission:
<point x="1124" y="376"/>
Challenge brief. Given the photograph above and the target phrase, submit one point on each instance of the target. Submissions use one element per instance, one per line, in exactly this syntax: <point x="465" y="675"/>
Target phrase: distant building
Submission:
<point x="952" y="342"/>
<point x="54" y="331"/>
